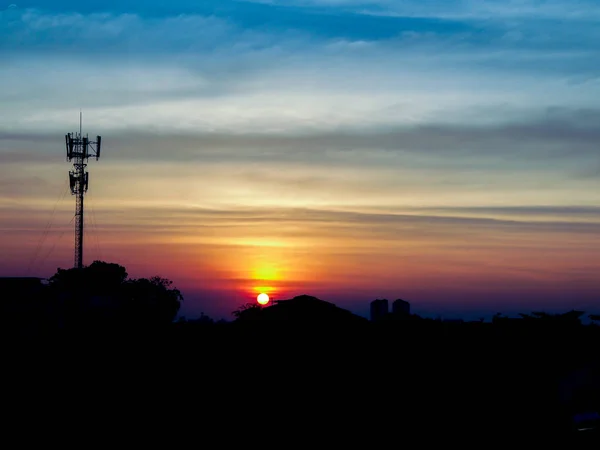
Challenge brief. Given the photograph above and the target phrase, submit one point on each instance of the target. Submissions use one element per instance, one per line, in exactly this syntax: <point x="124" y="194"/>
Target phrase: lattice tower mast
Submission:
<point x="79" y="149"/>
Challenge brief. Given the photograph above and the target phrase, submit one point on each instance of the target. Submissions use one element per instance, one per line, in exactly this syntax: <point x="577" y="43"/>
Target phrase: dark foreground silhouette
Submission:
<point x="301" y="369"/>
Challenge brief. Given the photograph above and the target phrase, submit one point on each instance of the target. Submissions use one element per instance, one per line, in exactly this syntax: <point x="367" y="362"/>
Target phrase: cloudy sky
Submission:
<point x="446" y="152"/>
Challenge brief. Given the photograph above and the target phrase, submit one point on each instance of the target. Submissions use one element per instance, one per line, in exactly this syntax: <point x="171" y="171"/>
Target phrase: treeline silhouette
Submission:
<point x="97" y="296"/>
<point x="509" y="377"/>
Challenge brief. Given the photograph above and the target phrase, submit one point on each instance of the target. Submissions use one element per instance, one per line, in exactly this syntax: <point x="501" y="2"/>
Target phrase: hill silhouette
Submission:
<point x="300" y="309"/>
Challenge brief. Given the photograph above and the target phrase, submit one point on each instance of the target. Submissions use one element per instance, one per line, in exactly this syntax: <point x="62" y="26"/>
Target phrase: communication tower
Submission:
<point x="79" y="150"/>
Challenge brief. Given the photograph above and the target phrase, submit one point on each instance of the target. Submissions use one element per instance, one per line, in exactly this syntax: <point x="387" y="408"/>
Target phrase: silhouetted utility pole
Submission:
<point x="79" y="149"/>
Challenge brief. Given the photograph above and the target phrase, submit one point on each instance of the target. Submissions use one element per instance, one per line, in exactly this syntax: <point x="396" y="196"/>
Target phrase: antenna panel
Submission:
<point x="72" y="182"/>
<point x="98" y="147"/>
<point x="71" y="146"/>
<point x="85" y="143"/>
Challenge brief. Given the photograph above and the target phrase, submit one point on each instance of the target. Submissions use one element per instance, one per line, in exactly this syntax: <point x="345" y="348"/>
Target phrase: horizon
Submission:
<point x="443" y="153"/>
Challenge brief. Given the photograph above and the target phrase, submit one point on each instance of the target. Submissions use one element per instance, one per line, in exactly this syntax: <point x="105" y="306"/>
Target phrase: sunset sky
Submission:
<point x="444" y="152"/>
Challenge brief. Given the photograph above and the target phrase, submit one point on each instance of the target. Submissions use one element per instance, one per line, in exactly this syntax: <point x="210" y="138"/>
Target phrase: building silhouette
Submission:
<point x="379" y="309"/>
<point x="401" y="307"/>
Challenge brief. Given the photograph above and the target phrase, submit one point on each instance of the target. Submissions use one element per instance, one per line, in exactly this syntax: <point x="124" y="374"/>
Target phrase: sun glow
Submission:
<point x="262" y="299"/>
<point x="266" y="273"/>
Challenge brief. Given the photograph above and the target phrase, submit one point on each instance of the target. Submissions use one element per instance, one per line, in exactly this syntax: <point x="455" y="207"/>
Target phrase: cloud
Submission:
<point x="203" y="246"/>
<point x="545" y="161"/>
<point x="412" y="223"/>
<point x="549" y="135"/>
<point x="209" y="73"/>
<point x="353" y="248"/>
<point x="456" y="9"/>
<point x="570" y="212"/>
<point x="100" y="33"/>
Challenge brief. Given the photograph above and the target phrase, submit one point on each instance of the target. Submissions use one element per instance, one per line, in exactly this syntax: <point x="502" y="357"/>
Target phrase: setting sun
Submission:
<point x="262" y="299"/>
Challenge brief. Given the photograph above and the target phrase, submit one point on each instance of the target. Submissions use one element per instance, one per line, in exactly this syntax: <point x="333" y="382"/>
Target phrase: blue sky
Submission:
<point x="479" y="111"/>
<point x="433" y="61"/>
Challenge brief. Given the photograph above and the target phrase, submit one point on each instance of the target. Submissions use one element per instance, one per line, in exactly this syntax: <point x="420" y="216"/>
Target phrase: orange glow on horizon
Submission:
<point x="265" y="289"/>
<point x="264" y="278"/>
<point x="266" y="273"/>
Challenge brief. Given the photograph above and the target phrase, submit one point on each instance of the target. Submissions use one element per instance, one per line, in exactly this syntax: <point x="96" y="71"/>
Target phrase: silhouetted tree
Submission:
<point x="101" y="293"/>
<point x="247" y="311"/>
<point x="98" y="278"/>
<point x="572" y="317"/>
<point x="152" y="300"/>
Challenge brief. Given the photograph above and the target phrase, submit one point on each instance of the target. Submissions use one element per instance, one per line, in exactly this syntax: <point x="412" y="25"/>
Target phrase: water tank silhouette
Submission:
<point x="401" y="307"/>
<point x="379" y="308"/>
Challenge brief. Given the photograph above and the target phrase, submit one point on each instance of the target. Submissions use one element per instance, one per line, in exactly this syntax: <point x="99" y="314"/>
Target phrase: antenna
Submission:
<point x="79" y="149"/>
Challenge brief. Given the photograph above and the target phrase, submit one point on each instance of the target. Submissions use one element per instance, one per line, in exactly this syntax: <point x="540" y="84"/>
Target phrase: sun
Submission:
<point x="262" y="299"/>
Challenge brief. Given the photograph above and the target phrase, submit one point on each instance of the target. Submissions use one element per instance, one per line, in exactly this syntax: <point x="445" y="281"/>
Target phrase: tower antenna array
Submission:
<point x="79" y="150"/>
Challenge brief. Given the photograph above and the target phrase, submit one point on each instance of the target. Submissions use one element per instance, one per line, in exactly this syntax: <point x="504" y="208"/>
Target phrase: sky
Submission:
<point x="443" y="152"/>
